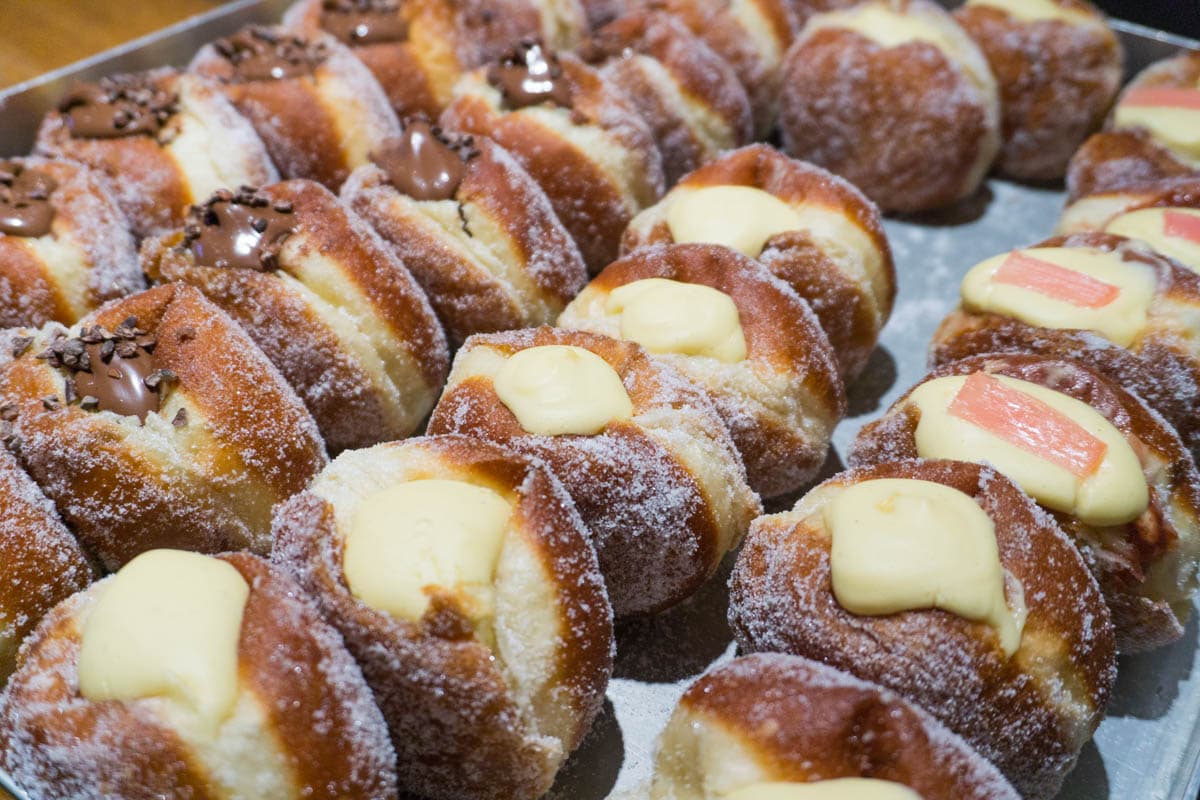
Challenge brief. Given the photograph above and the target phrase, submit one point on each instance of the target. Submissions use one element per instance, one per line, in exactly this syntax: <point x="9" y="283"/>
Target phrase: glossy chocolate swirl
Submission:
<point x="25" y="207"/>
<point x="239" y="230"/>
<point x="117" y="106"/>
<point x="530" y="74"/>
<point x="258" y="53"/>
<point x="426" y="162"/>
<point x="356" y="22"/>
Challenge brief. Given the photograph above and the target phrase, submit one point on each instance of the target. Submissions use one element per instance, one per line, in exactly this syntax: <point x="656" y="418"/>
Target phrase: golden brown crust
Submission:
<point x="1057" y="80"/>
<point x="207" y="485"/>
<point x="317" y="710"/>
<point x="1029" y="713"/>
<point x="1157" y="548"/>
<point x="458" y="727"/>
<point x="1120" y="161"/>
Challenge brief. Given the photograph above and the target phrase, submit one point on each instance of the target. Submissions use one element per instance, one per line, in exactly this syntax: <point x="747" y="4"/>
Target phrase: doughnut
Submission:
<point x="1163" y="100"/>
<point x="1107" y="285"/>
<point x="751" y="35"/>
<point x="1111" y="471"/>
<point x="812" y="229"/>
<point x="477" y="232"/>
<point x="689" y="96"/>
<point x="771" y="727"/>
<point x="319" y="110"/>
<point x="324" y="298"/>
<point x="575" y="133"/>
<point x="640" y="449"/>
<point x="724" y="322"/>
<point x="803" y="9"/>
<point x="1058" y="66"/>
<point x="944" y="582"/>
<point x="65" y="246"/>
<point x="1111" y="166"/>
<point x="156" y="422"/>
<point x="199" y="676"/>
<point x="43" y="564"/>
<point x="895" y="97"/>
<point x="463" y="581"/>
<point x="1094" y="212"/>
<point x="163" y="139"/>
<point x="1165" y="224"/>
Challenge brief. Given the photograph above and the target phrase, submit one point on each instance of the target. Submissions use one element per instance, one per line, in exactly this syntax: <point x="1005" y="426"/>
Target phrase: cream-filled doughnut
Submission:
<point x="641" y="450"/>
<point x="1094" y="212"/>
<point x="812" y="229"/>
<point x="477" y="232"/>
<point x="944" y="582"/>
<point x="574" y="132"/>
<point x="1103" y="284"/>
<point x="1058" y="66"/>
<point x="163" y="139"/>
<point x="65" y="246"/>
<point x="688" y="94"/>
<point x="1168" y="223"/>
<point x="894" y="96"/>
<point x="1164" y="101"/>
<point x="723" y="321"/>
<point x="201" y="677"/>
<point x="1112" y="165"/>
<point x="778" y="727"/>
<point x="156" y="422"/>
<point x="463" y="581"/>
<point x="319" y="110"/>
<point x="1112" y="472"/>
<point x="323" y="296"/>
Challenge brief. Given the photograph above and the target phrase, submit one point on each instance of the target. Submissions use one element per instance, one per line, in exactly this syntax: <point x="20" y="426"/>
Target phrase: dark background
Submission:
<point x="1178" y="16"/>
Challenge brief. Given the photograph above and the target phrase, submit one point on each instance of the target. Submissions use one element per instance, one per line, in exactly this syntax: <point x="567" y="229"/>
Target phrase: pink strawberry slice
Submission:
<point x="1055" y="282"/>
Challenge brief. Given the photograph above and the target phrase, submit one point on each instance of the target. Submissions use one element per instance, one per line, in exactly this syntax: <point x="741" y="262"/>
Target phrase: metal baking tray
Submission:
<point x="1149" y="746"/>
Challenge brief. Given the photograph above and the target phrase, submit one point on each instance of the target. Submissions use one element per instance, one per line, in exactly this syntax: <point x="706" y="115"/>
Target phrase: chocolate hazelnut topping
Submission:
<point x="425" y="162"/>
<point x="120" y="105"/>
<point x="110" y="371"/>
<point x="240" y="230"/>
<point x="530" y="74"/>
<point x="364" y="21"/>
<point x="25" y="207"/>
<point x="263" y="54"/>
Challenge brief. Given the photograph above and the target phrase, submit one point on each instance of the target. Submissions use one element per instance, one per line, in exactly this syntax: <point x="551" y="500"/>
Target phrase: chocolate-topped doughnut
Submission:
<point x="477" y="232"/>
<point x="1058" y="66"/>
<point x="772" y="726"/>
<point x="944" y="582"/>
<point x="324" y="297"/>
<point x="463" y="581"/>
<point x="65" y="246"/>
<point x="1110" y="470"/>
<point x="1110" y="286"/>
<point x="894" y="96"/>
<point x="156" y="422"/>
<point x="201" y="677"/>
<point x="640" y="449"/>
<point x="812" y="229"/>
<point x="574" y="132"/>
<point x="318" y="109"/>
<point x="689" y="95"/>
<point x="725" y="322"/>
<point x="163" y="139"/>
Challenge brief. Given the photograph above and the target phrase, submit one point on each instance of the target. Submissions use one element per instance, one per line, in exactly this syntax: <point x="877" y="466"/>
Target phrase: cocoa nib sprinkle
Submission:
<point x="259" y="53"/>
<point x="245" y="229"/>
<point x="116" y="106"/>
<point x="21" y="344"/>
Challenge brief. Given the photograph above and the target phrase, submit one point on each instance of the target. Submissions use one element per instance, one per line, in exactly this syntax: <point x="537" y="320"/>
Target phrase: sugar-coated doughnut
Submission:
<point x="722" y="320"/>
<point x="1113" y="473"/>
<point x="187" y="676"/>
<point x="477" y="232"/>
<point x="319" y="110"/>
<point x="1094" y="212"/>
<point x="1058" y="66"/>
<point x="575" y="133"/>
<point x="328" y="302"/>
<point x="1111" y="164"/>
<point x="164" y="139"/>
<point x="65" y="246"/>
<point x="641" y="450"/>
<point x="894" y="96"/>
<point x="464" y="583"/>
<point x="156" y="422"/>
<point x="770" y="721"/>
<point x="944" y="582"/>
<point x="1163" y="100"/>
<point x="812" y="229"/>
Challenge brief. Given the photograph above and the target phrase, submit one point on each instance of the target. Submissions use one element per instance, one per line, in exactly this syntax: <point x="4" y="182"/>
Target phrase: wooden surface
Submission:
<point x="45" y="34"/>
